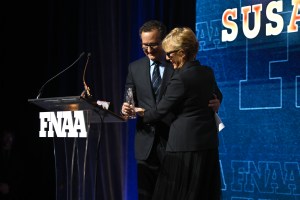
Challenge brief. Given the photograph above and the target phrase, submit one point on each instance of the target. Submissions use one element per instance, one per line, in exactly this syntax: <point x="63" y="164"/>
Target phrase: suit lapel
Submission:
<point x="168" y="72"/>
<point x="167" y="76"/>
<point x="146" y="76"/>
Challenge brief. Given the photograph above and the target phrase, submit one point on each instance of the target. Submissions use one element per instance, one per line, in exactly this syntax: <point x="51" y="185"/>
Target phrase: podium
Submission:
<point x="74" y="103"/>
<point x="77" y="159"/>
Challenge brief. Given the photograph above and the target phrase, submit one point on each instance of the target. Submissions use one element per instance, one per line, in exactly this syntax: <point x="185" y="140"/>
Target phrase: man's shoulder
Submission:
<point x="141" y="61"/>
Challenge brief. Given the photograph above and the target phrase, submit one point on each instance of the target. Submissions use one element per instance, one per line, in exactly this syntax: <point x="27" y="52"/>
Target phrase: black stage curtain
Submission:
<point x="39" y="40"/>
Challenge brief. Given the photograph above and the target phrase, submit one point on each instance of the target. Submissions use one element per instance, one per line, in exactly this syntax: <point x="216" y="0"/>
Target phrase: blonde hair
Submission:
<point x="182" y="38"/>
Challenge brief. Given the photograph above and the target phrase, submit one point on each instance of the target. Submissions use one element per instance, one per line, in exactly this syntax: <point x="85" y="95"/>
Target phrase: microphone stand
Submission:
<point x="86" y="92"/>
<point x="42" y="88"/>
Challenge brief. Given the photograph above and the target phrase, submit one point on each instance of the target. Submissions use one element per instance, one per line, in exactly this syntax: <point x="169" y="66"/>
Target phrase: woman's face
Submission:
<point x="176" y="57"/>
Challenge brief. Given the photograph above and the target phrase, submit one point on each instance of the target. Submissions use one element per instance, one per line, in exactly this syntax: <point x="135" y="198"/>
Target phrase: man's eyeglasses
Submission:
<point x="145" y="46"/>
<point x="170" y="52"/>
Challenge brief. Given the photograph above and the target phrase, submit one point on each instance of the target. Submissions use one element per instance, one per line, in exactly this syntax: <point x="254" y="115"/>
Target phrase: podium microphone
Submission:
<point x="42" y="88"/>
<point x="86" y="90"/>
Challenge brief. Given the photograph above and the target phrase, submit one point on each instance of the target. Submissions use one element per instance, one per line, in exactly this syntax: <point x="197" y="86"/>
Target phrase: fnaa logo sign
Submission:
<point x="63" y="123"/>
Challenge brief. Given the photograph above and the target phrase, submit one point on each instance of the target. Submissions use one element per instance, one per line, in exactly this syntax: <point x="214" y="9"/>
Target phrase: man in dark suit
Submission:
<point x="149" y="140"/>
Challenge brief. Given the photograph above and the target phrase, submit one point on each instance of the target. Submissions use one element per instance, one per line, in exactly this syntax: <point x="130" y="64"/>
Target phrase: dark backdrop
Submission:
<point x="39" y="39"/>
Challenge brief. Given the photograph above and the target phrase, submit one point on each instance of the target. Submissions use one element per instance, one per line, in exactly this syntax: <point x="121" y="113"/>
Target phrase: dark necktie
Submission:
<point x="156" y="80"/>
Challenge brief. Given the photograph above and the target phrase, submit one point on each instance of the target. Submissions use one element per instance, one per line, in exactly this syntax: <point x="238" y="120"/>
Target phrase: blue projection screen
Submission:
<point x="254" y="49"/>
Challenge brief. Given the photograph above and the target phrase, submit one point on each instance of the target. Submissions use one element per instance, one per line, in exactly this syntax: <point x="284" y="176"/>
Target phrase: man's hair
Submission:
<point x="152" y="25"/>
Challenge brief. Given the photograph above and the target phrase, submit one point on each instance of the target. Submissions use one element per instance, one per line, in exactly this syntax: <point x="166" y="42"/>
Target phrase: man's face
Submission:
<point x="151" y="44"/>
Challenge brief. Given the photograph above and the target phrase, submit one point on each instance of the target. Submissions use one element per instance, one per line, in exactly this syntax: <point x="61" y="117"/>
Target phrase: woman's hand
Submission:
<point x="140" y="111"/>
<point x="214" y="103"/>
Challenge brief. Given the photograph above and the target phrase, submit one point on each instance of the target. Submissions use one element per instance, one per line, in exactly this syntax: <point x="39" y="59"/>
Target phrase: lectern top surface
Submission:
<point x="73" y="103"/>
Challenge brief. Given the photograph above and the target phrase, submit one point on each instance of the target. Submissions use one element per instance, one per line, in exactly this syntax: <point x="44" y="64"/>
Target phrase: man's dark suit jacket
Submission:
<point x="187" y="95"/>
<point x="139" y="79"/>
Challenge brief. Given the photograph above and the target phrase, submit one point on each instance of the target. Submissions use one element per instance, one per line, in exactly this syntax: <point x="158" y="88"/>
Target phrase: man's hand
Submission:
<point x="127" y="110"/>
<point x="214" y="103"/>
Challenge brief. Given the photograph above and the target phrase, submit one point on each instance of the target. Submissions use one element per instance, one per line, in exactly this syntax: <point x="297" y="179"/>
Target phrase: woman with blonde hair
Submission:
<point x="190" y="169"/>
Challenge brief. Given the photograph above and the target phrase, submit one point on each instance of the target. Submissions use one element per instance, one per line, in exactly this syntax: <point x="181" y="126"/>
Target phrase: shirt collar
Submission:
<point x="152" y="63"/>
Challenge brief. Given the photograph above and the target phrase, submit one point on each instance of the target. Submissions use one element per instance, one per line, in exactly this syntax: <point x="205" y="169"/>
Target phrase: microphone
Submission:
<point x="86" y="90"/>
<point x="42" y="88"/>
